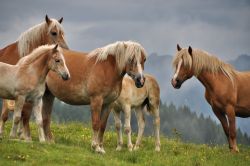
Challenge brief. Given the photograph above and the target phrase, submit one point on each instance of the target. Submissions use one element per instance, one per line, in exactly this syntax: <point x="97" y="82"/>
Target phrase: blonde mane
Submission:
<point x="203" y="61"/>
<point x="41" y="50"/>
<point x="34" y="36"/>
<point x="121" y="50"/>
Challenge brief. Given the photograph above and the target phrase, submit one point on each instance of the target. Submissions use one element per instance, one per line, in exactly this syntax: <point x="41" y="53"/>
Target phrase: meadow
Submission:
<point x="72" y="147"/>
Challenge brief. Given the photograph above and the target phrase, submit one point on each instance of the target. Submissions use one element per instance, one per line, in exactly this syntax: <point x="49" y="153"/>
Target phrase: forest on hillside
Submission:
<point x="176" y="122"/>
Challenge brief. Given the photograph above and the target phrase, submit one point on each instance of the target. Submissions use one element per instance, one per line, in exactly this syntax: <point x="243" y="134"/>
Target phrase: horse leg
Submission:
<point x="19" y="102"/>
<point x="141" y="125"/>
<point x="4" y="117"/>
<point x="223" y="119"/>
<point x="26" y="113"/>
<point x="96" y="107"/>
<point x="232" y="128"/>
<point x="20" y="127"/>
<point x="104" y="118"/>
<point x="37" y="109"/>
<point x="156" y="115"/>
<point x="48" y="100"/>
<point x="118" y="126"/>
<point x="127" y="126"/>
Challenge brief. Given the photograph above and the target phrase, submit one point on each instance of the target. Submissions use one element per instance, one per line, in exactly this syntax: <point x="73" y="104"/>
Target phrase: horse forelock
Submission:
<point x="121" y="50"/>
<point x="203" y="61"/>
<point x="34" y="36"/>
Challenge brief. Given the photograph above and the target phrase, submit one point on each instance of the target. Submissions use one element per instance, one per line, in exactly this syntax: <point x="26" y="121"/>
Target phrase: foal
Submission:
<point x="227" y="90"/>
<point x="147" y="97"/>
<point x="25" y="82"/>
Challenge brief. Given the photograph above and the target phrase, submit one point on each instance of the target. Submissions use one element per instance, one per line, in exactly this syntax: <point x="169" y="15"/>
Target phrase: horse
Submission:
<point x="139" y="99"/>
<point x="96" y="80"/>
<point x="226" y="89"/>
<point x="50" y="31"/>
<point x="25" y="82"/>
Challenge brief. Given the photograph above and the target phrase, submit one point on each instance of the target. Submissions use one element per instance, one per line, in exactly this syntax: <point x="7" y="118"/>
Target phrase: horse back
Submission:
<point x="9" y="54"/>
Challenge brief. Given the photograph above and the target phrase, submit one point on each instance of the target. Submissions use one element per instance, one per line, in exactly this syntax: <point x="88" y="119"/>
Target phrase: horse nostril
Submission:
<point x="177" y="80"/>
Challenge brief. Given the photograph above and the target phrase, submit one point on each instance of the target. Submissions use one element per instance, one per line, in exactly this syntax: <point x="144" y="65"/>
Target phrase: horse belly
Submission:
<point x="242" y="111"/>
<point x="6" y="94"/>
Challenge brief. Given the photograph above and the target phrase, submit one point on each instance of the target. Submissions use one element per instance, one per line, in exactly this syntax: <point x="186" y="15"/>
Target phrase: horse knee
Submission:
<point x="127" y="130"/>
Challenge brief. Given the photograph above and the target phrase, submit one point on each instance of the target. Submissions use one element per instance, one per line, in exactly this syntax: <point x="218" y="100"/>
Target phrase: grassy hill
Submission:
<point x="72" y="147"/>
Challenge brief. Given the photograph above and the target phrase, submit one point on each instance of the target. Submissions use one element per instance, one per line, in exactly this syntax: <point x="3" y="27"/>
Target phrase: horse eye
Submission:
<point x="53" y="33"/>
<point x="57" y="60"/>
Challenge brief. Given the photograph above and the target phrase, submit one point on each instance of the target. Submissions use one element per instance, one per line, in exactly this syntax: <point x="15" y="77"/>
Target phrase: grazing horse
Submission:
<point x="138" y="99"/>
<point x="48" y="32"/>
<point x="227" y="90"/>
<point x="96" y="80"/>
<point x="25" y="82"/>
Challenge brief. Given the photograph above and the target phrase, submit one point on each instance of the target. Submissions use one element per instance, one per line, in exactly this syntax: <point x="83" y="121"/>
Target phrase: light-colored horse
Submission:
<point x="49" y="31"/>
<point x="25" y="82"/>
<point x="227" y="90"/>
<point x="147" y="97"/>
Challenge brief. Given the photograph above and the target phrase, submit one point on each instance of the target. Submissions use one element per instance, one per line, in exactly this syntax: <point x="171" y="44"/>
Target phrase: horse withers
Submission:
<point x="227" y="90"/>
<point x="142" y="99"/>
<point x="25" y="82"/>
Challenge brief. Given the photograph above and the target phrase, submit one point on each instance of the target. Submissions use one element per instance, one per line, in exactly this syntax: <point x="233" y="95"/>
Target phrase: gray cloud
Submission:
<point x="219" y="26"/>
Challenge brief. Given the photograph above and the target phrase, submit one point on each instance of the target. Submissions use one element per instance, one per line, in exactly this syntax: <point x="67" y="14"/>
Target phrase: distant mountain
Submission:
<point x="192" y="91"/>
<point x="242" y="63"/>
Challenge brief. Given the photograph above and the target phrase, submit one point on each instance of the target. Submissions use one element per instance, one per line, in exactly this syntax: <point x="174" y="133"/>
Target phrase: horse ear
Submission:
<point x="178" y="47"/>
<point x="190" y="50"/>
<point x="60" y="20"/>
<point x="55" y="48"/>
<point x="47" y="19"/>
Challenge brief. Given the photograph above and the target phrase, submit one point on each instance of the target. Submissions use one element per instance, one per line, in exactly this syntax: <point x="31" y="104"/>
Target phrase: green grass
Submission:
<point x="72" y="147"/>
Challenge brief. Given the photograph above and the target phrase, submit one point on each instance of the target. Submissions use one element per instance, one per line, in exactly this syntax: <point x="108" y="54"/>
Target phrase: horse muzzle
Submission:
<point x="65" y="76"/>
<point x="64" y="45"/>
<point x="176" y="83"/>
<point x="139" y="81"/>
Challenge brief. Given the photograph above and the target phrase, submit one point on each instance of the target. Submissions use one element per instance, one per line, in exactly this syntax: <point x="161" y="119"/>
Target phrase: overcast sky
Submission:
<point x="221" y="27"/>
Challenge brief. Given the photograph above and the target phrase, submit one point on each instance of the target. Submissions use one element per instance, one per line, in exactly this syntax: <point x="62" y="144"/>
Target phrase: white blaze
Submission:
<point x="178" y="69"/>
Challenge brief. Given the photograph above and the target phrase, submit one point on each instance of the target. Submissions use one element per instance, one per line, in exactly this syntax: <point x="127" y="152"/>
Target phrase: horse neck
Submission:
<point x="40" y="66"/>
<point x="208" y="79"/>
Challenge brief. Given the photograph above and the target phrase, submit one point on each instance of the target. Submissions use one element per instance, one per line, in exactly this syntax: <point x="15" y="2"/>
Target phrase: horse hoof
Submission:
<point x="118" y="148"/>
<point x="136" y="147"/>
<point x="236" y="150"/>
<point x="100" y="150"/>
<point x="157" y="149"/>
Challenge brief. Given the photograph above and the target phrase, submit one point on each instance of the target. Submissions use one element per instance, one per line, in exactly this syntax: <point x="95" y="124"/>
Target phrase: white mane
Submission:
<point x="39" y="51"/>
<point x="34" y="36"/>
<point x="121" y="50"/>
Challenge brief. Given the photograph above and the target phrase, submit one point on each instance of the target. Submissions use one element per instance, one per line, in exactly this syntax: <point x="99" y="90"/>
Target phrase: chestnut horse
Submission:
<point x="25" y="82"/>
<point x="227" y="90"/>
<point x="96" y="80"/>
<point x="48" y="32"/>
<point x="139" y="99"/>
